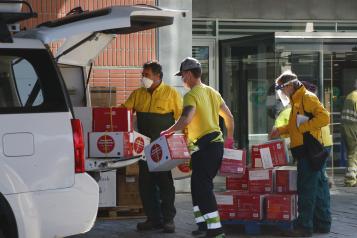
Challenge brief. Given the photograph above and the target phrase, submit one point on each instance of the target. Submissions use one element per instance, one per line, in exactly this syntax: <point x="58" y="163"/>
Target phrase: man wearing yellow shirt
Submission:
<point x="202" y="107"/>
<point x="157" y="106"/>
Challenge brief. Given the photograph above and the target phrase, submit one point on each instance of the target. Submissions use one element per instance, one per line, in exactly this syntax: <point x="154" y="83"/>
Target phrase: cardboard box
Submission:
<point x="281" y="207"/>
<point x="166" y="153"/>
<point x="250" y="206"/>
<point x="271" y="154"/>
<point x="132" y="170"/>
<point x="103" y="96"/>
<point x="110" y="144"/>
<point x="226" y="200"/>
<point x="140" y="141"/>
<point x="286" y="179"/>
<point x="238" y="183"/>
<point x="233" y="163"/>
<point x="182" y="171"/>
<point x="255" y="157"/>
<point x="227" y="214"/>
<point x="112" y="119"/>
<point x="261" y="181"/>
<point x="128" y="191"/>
<point x="107" y="189"/>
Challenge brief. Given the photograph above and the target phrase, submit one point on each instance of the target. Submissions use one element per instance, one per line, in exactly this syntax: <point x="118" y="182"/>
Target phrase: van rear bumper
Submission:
<point x="58" y="212"/>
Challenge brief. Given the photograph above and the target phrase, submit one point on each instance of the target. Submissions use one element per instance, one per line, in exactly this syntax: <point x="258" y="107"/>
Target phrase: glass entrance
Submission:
<point x="247" y="71"/>
<point x="249" y="66"/>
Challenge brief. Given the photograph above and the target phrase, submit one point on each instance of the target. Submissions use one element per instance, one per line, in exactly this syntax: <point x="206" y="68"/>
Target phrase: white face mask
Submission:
<point x="146" y="82"/>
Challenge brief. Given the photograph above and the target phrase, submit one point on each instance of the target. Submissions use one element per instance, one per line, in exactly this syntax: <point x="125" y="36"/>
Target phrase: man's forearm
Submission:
<point x="230" y="126"/>
<point x="179" y="125"/>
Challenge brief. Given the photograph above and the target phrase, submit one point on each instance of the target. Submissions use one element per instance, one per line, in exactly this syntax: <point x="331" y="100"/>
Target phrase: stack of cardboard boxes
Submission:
<point x="112" y="136"/>
<point x="128" y="187"/>
<point x="266" y="190"/>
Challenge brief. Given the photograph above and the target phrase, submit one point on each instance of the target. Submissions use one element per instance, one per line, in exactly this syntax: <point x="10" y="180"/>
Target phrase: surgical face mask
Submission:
<point x="146" y="82"/>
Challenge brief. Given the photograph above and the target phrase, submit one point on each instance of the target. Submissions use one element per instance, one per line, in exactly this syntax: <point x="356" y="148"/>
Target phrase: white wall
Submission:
<point x="175" y="41"/>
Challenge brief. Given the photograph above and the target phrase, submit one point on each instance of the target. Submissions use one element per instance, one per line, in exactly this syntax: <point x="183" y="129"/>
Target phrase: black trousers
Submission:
<point x="205" y="165"/>
<point x="157" y="194"/>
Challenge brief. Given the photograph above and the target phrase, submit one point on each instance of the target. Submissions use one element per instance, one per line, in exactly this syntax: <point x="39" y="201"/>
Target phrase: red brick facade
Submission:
<point x="120" y="64"/>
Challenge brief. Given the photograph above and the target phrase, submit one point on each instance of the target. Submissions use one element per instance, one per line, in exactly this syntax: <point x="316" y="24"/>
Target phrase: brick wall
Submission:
<point x="120" y="64"/>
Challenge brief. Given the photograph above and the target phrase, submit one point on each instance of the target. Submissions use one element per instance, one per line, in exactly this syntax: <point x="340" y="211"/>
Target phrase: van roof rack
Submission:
<point x="11" y="17"/>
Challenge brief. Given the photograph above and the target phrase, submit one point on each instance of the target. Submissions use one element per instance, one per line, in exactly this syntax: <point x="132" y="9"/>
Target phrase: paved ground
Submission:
<point x="344" y="213"/>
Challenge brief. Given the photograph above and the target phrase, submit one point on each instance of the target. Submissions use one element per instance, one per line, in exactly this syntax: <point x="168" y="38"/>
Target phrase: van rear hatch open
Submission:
<point x="86" y="34"/>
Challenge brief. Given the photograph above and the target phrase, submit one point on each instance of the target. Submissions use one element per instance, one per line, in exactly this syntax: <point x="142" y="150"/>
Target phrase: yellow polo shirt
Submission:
<point x="207" y="103"/>
<point x="164" y="99"/>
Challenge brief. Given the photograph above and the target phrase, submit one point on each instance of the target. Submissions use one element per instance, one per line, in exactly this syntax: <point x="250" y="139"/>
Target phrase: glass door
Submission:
<point x="247" y="73"/>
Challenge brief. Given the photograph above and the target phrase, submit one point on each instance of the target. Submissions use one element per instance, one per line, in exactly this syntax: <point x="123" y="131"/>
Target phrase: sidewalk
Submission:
<point x="344" y="215"/>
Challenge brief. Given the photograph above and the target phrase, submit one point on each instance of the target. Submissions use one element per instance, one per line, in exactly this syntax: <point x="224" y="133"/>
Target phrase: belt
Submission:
<point x="206" y="139"/>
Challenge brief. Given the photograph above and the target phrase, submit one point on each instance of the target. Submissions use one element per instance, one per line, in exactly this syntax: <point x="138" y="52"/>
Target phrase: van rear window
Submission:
<point x="29" y="82"/>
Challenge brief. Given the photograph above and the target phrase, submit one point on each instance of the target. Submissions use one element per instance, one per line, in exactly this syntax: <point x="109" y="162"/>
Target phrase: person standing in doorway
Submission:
<point x="349" y="134"/>
<point x="312" y="186"/>
<point x="202" y="107"/>
<point x="157" y="106"/>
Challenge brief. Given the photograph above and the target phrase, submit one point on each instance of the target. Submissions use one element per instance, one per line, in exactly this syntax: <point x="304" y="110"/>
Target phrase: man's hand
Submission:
<point x="228" y="143"/>
<point x="274" y="133"/>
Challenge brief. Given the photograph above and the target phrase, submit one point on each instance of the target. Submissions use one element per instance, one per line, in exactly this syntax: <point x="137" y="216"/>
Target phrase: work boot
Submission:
<point x="198" y="232"/>
<point x="350" y="183"/>
<point x="222" y="235"/>
<point x="169" y="227"/>
<point x="215" y="233"/>
<point x="202" y="229"/>
<point x="297" y="232"/>
<point x="148" y="225"/>
<point x="321" y="231"/>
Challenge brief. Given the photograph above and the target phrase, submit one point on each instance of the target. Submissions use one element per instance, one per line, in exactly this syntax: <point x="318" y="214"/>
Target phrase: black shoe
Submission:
<point x="321" y="231"/>
<point x="198" y="232"/>
<point x="297" y="232"/>
<point x="222" y="235"/>
<point x="148" y="225"/>
<point x="169" y="227"/>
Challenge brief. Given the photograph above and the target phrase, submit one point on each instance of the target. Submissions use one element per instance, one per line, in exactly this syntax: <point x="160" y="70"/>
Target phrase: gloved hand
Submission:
<point x="228" y="143"/>
<point x="166" y="133"/>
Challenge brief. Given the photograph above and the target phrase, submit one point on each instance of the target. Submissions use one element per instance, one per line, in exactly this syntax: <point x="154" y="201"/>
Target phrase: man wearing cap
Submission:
<point x="157" y="106"/>
<point x="202" y="107"/>
<point x="312" y="186"/>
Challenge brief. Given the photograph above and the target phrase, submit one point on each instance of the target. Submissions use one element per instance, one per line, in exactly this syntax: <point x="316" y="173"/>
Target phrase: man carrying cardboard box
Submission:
<point x="202" y="107"/>
<point x="157" y="106"/>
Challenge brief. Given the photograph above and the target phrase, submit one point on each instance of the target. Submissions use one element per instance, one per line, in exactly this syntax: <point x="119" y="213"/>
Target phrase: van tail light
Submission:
<point x="78" y="143"/>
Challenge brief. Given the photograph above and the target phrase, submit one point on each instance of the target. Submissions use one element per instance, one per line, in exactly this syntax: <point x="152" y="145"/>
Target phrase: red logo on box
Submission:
<point x="105" y="144"/>
<point x="184" y="168"/>
<point x="139" y="145"/>
<point x="156" y="153"/>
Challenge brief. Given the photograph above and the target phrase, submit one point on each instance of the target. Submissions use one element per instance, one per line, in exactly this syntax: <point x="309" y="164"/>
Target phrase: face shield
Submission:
<point x="285" y="100"/>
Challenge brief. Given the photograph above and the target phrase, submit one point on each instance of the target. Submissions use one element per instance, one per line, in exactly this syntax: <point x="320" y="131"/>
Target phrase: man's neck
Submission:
<point x="154" y="86"/>
<point x="197" y="82"/>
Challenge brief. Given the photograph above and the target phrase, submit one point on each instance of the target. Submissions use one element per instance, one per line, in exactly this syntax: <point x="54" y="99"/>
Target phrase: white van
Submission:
<point x="44" y="190"/>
